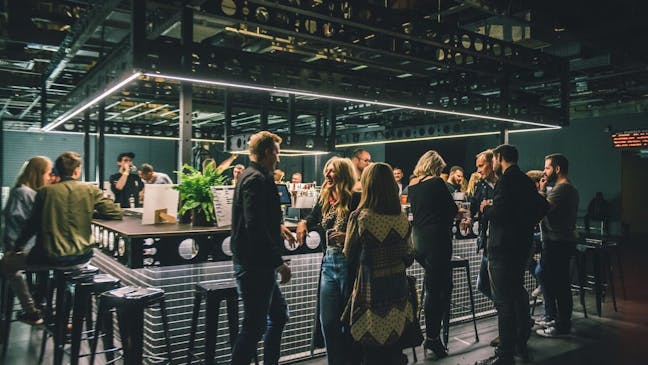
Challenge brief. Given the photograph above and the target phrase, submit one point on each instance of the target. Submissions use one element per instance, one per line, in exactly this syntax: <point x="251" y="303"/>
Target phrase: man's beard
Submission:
<point x="551" y="179"/>
<point x="498" y="170"/>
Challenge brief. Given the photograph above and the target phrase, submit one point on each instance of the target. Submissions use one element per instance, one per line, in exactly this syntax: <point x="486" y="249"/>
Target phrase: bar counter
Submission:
<point x="175" y="257"/>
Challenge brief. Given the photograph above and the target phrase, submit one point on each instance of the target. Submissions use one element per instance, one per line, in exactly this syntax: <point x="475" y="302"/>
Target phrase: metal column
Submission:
<point x="265" y="100"/>
<point x="101" y="143"/>
<point x="331" y="125"/>
<point x="186" y="90"/>
<point x="292" y="117"/>
<point x="138" y="32"/>
<point x="504" y="136"/>
<point x="184" y="145"/>
<point x="227" y="126"/>
<point x="43" y="104"/>
<point x="86" y="145"/>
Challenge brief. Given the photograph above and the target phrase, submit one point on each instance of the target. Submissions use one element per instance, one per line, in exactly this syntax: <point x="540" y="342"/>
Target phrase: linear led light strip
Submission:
<point x="287" y="152"/>
<point x="64" y="118"/>
<point x="442" y="137"/>
<point x="346" y="99"/>
<point x="134" y="136"/>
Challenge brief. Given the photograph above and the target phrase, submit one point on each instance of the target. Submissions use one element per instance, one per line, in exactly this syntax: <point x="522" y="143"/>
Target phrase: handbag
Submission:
<point x="412" y="335"/>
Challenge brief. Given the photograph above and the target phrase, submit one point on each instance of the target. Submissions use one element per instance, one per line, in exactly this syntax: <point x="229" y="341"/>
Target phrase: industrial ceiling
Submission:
<point x="431" y="67"/>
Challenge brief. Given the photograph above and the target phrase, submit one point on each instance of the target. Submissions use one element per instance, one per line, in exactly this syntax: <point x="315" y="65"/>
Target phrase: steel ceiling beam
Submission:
<point x="81" y="31"/>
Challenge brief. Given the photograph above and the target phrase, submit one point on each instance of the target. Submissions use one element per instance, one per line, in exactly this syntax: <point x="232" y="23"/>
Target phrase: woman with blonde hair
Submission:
<point x="378" y="249"/>
<point x="433" y="211"/>
<point x="472" y="184"/>
<point x="36" y="173"/>
<point x="329" y="218"/>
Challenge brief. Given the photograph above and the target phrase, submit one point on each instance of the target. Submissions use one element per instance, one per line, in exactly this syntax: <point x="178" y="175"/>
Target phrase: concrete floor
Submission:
<point x="614" y="338"/>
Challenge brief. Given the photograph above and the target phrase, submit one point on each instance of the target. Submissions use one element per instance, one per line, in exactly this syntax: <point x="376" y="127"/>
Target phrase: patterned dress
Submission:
<point x="378" y="249"/>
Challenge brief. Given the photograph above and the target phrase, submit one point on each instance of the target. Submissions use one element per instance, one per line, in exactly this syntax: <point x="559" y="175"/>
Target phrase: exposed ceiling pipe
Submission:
<point x="81" y="31"/>
<point x="36" y="100"/>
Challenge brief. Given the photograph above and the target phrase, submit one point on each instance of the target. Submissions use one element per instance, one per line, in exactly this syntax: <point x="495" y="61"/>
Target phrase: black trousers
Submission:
<point x="506" y="269"/>
<point x="555" y="260"/>
<point x="437" y="283"/>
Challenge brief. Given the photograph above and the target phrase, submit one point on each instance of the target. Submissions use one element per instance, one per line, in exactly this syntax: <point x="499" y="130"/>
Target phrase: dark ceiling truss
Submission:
<point x="79" y="34"/>
<point x="347" y="22"/>
<point x="348" y="34"/>
<point x="112" y="67"/>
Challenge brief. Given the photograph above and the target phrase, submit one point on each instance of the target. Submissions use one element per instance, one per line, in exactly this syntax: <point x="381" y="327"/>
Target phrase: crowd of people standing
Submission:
<point x="364" y="306"/>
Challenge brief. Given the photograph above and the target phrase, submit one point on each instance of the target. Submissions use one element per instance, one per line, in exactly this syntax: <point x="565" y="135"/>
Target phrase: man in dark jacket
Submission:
<point x="256" y="246"/>
<point x="512" y="217"/>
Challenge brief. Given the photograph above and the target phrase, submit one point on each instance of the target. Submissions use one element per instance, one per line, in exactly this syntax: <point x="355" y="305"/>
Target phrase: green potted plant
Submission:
<point x="196" y="195"/>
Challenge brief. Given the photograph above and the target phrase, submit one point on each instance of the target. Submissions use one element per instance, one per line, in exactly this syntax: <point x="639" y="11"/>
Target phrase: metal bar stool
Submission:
<point x="599" y="253"/>
<point x="214" y="292"/>
<point x="82" y="312"/>
<point x="7" y="307"/>
<point x="460" y="263"/>
<point x="57" y="313"/>
<point x="130" y="303"/>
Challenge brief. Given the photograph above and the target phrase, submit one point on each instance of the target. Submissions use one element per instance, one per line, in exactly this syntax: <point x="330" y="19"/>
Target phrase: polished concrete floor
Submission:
<point x="614" y="338"/>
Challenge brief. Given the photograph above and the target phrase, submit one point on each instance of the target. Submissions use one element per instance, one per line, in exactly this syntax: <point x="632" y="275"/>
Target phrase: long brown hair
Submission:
<point x="379" y="190"/>
<point x="343" y="188"/>
<point x="32" y="174"/>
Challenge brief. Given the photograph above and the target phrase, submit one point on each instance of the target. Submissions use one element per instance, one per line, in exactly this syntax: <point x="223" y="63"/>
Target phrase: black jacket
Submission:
<point x="256" y="220"/>
<point x="483" y="191"/>
<point x="512" y="214"/>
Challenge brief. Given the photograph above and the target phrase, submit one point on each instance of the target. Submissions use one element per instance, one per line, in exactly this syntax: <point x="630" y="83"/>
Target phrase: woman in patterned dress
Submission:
<point x="378" y="248"/>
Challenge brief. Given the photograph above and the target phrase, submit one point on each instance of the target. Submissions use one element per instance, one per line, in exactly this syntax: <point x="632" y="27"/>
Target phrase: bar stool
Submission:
<point x="7" y="307"/>
<point x="82" y="311"/>
<point x="214" y="292"/>
<point x="460" y="263"/>
<point x="57" y="314"/>
<point x="600" y="255"/>
<point x="130" y="303"/>
<point x="6" y="311"/>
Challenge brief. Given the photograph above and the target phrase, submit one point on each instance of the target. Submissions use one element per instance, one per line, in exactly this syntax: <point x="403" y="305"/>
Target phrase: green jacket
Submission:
<point x="61" y="218"/>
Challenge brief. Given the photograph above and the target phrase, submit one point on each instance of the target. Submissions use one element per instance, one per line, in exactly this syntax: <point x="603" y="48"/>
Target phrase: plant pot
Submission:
<point x="198" y="219"/>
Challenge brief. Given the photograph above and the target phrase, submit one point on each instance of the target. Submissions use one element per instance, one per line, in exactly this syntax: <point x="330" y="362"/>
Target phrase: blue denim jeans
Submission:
<point x="333" y="297"/>
<point x="265" y="313"/>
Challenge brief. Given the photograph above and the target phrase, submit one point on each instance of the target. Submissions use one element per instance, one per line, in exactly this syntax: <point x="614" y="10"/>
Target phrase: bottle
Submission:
<point x="131" y="201"/>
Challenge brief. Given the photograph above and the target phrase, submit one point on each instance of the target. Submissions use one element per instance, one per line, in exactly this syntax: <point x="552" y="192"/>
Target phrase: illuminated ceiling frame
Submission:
<point x="136" y="75"/>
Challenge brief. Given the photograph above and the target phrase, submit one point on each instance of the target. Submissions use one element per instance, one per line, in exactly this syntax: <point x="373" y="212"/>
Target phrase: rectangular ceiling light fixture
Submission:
<point x="345" y="99"/>
<point x="67" y="116"/>
<point x="463" y="135"/>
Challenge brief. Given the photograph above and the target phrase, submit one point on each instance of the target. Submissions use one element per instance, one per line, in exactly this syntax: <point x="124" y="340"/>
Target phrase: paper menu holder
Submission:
<point x="161" y="216"/>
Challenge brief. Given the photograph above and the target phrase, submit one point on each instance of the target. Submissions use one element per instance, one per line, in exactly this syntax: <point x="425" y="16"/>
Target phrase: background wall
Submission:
<point x="21" y="146"/>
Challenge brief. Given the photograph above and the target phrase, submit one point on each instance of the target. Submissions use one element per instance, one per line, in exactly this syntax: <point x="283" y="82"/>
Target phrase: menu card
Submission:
<point x="223" y="198"/>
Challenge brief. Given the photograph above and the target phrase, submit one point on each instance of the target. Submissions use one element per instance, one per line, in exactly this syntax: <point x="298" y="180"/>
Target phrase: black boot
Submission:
<point x="436" y="346"/>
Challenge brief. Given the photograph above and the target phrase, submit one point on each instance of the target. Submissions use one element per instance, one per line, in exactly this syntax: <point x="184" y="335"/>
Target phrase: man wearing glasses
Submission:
<point x="126" y="184"/>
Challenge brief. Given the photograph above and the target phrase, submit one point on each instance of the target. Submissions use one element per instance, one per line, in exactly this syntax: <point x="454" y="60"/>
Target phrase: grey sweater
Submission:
<point x="16" y="213"/>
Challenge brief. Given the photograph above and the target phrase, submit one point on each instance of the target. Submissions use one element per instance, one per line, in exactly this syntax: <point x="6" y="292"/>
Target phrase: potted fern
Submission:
<point x="196" y="195"/>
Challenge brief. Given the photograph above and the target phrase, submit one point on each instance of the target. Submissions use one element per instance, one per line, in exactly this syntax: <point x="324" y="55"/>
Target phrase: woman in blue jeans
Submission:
<point x="329" y="218"/>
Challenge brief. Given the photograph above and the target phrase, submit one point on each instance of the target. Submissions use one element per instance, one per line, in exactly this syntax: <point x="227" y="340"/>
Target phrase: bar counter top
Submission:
<point x="133" y="227"/>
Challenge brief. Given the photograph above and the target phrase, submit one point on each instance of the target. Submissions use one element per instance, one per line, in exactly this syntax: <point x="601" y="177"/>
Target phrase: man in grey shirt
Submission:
<point x="150" y="176"/>
<point x="559" y="242"/>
